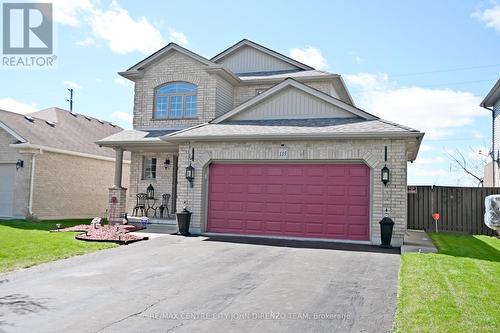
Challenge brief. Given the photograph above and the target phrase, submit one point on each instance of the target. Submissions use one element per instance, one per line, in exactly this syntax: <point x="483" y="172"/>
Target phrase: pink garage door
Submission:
<point x="299" y="200"/>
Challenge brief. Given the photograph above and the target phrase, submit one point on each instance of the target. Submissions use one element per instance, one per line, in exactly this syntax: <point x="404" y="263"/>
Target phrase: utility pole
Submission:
<point x="70" y="100"/>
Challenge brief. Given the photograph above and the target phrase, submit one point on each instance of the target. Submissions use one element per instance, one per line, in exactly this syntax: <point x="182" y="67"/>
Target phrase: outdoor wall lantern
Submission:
<point x="19" y="164"/>
<point x="166" y="163"/>
<point x="385" y="170"/>
<point x="190" y="174"/>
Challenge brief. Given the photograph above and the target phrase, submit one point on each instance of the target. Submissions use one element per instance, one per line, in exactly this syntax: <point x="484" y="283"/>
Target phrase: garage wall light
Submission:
<point x="19" y="164"/>
<point x="190" y="170"/>
<point x="385" y="175"/>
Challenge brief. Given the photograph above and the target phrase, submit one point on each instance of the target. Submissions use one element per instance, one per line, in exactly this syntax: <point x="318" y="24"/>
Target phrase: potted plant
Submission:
<point x="183" y="220"/>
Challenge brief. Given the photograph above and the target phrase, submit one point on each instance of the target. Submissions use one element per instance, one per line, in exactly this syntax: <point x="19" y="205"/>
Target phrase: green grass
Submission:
<point x="24" y="244"/>
<point x="455" y="290"/>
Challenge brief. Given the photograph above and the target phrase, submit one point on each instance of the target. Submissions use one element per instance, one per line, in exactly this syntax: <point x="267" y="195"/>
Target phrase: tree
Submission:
<point x="472" y="166"/>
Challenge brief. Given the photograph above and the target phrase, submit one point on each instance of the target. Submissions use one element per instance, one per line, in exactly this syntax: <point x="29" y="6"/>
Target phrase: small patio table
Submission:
<point x="151" y="203"/>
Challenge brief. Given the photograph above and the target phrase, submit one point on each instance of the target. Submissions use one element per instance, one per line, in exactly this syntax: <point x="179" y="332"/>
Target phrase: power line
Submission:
<point x="458" y="83"/>
<point x="447" y="70"/>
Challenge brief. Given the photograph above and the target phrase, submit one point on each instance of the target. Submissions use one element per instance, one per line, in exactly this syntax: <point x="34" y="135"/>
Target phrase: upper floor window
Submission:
<point x="175" y="100"/>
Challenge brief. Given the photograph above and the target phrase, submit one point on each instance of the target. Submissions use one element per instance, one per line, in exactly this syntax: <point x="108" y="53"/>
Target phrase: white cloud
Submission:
<point x="490" y="16"/>
<point x="415" y="171"/>
<point x="69" y="12"/>
<point x="72" y="85"/>
<point x="86" y="41"/>
<point x="425" y="148"/>
<point x="368" y="80"/>
<point x="123" y="82"/>
<point x="123" y="33"/>
<point x="429" y="160"/>
<point x="435" y="111"/>
<point x="358" y="59"/>
<point x="114" y="25"/>
<point x="10" y="104"/>
<point x="178" y="37"/>
<point x="124" y="116"/>
<point x="310" y="56"/>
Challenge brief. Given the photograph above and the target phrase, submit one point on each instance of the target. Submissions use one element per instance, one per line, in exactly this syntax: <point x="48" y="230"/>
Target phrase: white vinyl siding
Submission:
<point x="250" y="60"/>
<point x="292" y="104"/>
<point x="496" y="140"/>
<point x="223" y="97"/>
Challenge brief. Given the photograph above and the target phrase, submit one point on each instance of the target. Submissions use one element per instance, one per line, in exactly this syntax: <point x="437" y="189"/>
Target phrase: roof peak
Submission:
<point x="271" y="52"/>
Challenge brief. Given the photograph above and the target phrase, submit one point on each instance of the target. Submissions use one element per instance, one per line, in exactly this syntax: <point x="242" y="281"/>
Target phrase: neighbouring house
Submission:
<point x="256" y="143"/>
<point x="50" y="166"/>
<point x="492" y="103"/>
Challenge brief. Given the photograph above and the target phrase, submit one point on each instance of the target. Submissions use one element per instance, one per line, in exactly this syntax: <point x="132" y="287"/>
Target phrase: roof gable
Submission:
<point x="171" y="47"/>
<point x="292" y="103"/>
<point x="288" y="100"/>
<point x="249" y="57"/>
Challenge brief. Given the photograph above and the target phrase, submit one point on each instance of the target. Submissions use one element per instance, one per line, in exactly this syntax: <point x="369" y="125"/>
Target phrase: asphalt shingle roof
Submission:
<point x="294" y="127"/>
<point x="57" y="128"/>
<point x="137" y="136"/>
<point x="282" y="75"/>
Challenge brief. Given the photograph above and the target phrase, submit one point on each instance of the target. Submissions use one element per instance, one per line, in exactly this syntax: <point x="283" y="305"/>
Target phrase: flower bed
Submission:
<point x="107" y="233"/>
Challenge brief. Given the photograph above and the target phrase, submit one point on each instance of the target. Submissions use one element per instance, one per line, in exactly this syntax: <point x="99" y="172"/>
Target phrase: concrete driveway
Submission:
<point x="177" y="284"/>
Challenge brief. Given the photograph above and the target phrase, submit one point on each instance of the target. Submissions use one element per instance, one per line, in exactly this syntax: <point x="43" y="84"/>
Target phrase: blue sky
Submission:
<point x="425" y="64"/>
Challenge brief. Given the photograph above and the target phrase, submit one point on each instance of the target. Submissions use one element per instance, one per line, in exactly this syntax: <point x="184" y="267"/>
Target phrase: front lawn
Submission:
<point x="24" y="244"/>
<point x="455" y="290"/>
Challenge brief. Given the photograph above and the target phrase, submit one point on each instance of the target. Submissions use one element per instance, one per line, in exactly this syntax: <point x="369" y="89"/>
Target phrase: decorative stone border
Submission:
<point x="107" y="233"/>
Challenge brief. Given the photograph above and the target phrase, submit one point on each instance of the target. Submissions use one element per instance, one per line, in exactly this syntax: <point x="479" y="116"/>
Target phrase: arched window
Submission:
<point x="175" y="100"/>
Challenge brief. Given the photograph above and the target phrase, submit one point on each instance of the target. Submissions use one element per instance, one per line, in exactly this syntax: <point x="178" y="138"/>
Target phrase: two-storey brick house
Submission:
<point x="278" y="148"/>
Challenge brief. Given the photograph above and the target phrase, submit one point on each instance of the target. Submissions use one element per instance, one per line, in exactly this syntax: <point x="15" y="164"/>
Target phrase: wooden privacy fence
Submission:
<point x="461" y="209"/>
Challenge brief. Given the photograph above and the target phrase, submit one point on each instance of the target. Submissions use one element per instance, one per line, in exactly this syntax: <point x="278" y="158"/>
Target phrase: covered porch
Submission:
<point x="152" y="191"/>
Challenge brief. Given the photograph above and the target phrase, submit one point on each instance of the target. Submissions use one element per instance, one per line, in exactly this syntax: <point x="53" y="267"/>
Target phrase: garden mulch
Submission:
<point x="107" y="233"/>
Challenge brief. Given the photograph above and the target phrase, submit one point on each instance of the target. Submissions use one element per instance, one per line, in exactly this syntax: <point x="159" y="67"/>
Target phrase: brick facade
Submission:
<point x="67" y="186"/>
<point x="392" y="197"/>
<point x="23" y="175"/>
<point x="214" y="99"/>
<point x="175" y="67"/>
<point x="162" y="183"/>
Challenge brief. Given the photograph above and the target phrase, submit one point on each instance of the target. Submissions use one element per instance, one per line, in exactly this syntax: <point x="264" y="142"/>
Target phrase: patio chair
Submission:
<point x="140" y="204"/>
<point x="165" y="198"/>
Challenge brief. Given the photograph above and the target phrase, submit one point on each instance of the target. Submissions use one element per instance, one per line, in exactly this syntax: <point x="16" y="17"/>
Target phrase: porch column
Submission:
<point x="118" y="167"/>
<point x="117" y="193"/>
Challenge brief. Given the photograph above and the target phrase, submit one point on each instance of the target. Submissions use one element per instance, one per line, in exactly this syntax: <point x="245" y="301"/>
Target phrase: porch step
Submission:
<point x="137" y="219"/>
<point x="163" y="229"/>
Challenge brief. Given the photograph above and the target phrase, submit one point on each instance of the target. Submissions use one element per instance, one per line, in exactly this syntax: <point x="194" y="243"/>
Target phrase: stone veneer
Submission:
<point x="117" y="205"/>
<point x="371" y="152"/>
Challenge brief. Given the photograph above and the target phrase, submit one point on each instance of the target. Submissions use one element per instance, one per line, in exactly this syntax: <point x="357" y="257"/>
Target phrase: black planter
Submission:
<point x="183" y="220"/>
<point x="386" y="226"/>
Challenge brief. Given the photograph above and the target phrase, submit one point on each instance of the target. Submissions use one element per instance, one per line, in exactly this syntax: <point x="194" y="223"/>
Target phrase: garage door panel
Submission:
<point x="314" y="228"/>
<point x="336" y="210"/>
<point x="357" y="229"/>
<point x="273" y="225"/>
<point x="301" y="200"/>
<point x="336" y="229"/>
<point x="296" y="227"/>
